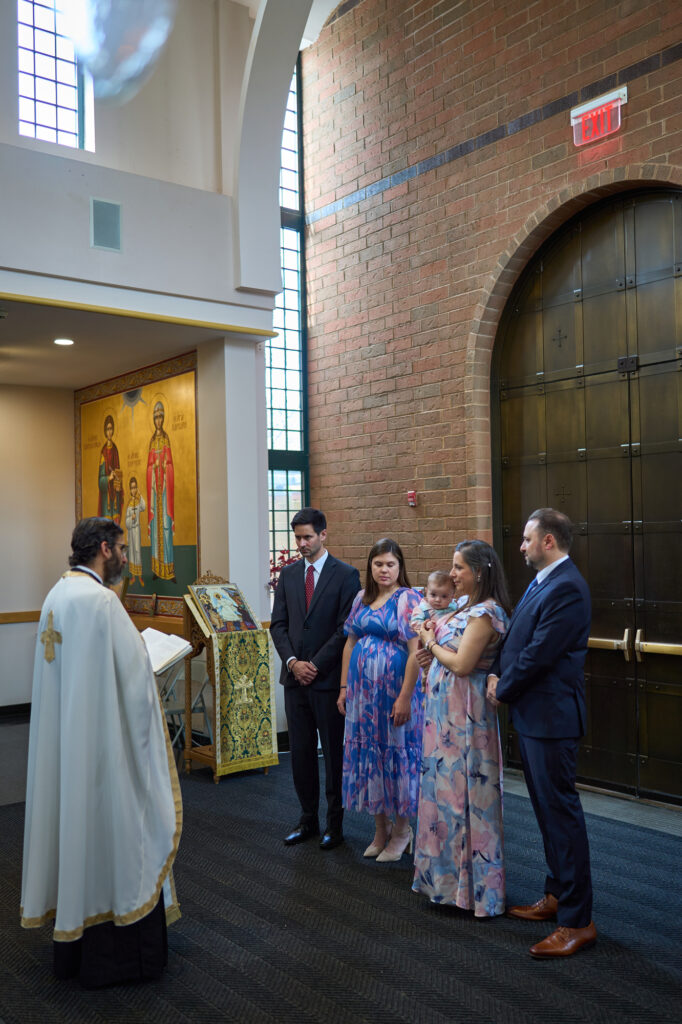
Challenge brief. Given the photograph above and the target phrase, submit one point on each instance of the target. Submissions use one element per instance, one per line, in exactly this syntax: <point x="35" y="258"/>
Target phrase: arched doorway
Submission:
<point x="587" y="384"/>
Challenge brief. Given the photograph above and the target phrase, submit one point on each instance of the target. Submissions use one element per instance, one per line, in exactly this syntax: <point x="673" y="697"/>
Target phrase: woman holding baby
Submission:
<point x="458" y="850"/>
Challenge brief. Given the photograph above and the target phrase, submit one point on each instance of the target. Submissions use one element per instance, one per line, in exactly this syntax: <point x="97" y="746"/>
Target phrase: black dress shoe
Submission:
<point x="330" y="840"/>
<point x="301" y="833"/>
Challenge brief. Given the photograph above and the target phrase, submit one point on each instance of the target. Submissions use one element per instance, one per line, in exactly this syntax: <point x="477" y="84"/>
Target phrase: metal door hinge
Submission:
<point x="628" y="364"/>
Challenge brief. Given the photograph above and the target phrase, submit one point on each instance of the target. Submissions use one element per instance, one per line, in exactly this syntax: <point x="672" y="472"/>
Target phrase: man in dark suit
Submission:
<point x="312" y="601"/>
<point x="539" y="673"/>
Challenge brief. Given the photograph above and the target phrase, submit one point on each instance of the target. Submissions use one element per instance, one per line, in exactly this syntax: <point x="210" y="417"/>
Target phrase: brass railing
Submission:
<point x="645" y="647"/>
<point x="639" y="646"/>
<point x="606" y="644"/>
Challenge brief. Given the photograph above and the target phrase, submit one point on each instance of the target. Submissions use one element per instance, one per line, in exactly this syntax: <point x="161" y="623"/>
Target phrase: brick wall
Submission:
<point x="439" y="156"/>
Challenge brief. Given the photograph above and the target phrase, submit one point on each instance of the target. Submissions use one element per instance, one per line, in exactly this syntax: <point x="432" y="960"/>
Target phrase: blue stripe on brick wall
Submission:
<point x="448" y="156"/>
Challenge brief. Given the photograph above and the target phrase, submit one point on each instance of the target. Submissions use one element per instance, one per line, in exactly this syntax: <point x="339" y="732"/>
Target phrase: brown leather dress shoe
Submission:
<point x="541" y="910"/>
<point x="564" y="942"/>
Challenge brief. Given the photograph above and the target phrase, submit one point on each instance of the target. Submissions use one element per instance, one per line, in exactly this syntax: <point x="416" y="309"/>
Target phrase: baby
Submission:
<point x="439" y="600"/>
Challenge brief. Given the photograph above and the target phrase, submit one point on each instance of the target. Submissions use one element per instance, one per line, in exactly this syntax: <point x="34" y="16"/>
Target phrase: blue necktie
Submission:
<point x="529" y="590"/>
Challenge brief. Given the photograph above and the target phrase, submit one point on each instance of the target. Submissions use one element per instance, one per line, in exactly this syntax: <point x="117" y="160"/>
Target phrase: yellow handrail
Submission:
<point x="606" y="644"/>
<point x="646" y="647"/>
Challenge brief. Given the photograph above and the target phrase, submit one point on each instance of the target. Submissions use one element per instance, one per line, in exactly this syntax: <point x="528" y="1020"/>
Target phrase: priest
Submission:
<point x="103" y="808"/>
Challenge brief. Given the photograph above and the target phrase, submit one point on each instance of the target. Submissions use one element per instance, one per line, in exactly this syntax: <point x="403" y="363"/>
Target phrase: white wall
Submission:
<point x="174" y="240"/>
<point x="200" y="133"/>
<point x="37" y="510"/>
<point x="169" y="157"/>
<point x="177" y="127"/>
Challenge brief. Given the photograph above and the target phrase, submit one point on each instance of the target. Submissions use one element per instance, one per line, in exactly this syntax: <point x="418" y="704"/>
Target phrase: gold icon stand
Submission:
<point x="219" y="621"/>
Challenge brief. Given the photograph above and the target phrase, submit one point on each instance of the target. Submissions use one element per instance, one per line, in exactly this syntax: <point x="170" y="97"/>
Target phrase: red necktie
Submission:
<point x="309" y="586"/>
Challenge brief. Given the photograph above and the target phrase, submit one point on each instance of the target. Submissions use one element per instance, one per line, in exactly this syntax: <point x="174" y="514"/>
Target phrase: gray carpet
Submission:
<point x="271" y="933"/>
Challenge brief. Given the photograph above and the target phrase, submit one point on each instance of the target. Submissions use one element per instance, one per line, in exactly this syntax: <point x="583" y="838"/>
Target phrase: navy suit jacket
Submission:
<point x="316" y="635"/>
<point x="541" y="660"/>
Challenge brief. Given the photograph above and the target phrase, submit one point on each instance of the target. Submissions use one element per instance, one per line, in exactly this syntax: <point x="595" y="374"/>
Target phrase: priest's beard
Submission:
<point x="113" y="568"/>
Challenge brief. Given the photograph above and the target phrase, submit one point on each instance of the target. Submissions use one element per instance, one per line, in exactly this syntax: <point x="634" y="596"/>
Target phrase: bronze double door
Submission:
<point x="588" y="386"/>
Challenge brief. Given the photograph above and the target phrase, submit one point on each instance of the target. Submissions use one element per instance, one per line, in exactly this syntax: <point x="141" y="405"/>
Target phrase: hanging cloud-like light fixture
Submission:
<point x="118" y="41"/>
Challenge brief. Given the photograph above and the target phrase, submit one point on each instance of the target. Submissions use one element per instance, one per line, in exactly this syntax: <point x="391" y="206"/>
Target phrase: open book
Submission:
<point x="164" y="649"/>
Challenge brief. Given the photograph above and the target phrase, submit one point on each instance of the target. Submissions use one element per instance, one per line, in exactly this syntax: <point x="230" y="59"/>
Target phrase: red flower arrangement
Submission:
<point x="285" y="558"/>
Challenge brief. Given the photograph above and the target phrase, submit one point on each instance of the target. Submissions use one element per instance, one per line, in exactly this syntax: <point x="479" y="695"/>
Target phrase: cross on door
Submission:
<point x="558" y="336"/>
<point x="562" y="494"/>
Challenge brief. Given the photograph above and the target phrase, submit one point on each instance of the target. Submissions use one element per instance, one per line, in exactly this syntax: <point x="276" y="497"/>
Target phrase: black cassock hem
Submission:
<point x="110" y="955"/>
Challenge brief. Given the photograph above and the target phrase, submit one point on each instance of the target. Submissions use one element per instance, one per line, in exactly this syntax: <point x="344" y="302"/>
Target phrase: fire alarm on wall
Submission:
<point x="412" y="498"/>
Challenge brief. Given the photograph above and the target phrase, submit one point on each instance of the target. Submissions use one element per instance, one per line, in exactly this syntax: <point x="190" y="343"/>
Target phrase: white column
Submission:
<point x="233" y="499"/>
<point x="233" y="478"/>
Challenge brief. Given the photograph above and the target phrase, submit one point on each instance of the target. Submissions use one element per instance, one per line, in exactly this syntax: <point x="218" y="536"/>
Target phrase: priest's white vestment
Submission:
<point x="103" y="806"/>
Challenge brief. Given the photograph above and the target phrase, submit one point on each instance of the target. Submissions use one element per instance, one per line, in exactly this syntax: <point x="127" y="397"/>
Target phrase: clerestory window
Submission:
<point x="286" y="354"/>
<point x="55" y="96"/>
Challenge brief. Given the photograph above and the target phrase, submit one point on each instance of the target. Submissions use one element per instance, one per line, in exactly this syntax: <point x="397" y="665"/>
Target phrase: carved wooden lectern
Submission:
<point x="219" y="621"/>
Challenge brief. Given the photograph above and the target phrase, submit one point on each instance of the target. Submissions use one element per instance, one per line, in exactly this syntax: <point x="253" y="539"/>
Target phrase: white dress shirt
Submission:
<point x="544" y="573"/>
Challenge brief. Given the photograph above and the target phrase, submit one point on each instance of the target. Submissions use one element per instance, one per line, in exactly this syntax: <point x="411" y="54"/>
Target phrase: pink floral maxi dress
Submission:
<point x="459" y="847"/>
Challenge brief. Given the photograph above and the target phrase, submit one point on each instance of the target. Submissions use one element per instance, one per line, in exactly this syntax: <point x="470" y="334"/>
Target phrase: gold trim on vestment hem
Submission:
<point x="172" y="913"/>
<point x="37" y="922"/>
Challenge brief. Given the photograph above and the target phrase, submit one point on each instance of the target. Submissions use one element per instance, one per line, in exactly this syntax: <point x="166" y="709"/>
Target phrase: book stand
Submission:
<point x="239" y="672"/>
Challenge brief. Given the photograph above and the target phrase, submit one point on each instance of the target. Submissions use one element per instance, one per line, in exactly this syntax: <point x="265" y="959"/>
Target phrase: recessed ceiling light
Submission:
<point x="63" y="341"/>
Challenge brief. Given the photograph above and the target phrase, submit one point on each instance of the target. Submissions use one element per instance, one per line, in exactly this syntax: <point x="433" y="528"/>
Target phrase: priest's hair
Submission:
<point x="88" y="536"/>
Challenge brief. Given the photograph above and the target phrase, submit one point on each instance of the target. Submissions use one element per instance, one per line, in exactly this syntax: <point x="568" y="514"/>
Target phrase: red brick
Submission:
<point x="424" y="269"/>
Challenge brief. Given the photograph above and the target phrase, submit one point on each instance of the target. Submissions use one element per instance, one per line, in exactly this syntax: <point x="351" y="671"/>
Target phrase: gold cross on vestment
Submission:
<point x="50" y="637"/>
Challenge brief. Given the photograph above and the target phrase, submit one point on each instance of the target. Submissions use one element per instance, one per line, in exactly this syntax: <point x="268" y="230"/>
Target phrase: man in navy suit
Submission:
<point x="312" y="601"/>
<point x="539" y="673"/>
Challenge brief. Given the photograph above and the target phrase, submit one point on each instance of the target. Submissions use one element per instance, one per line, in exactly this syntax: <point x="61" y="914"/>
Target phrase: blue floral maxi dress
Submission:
<point x="459" y="847"/>
<point x="381" y="763"/>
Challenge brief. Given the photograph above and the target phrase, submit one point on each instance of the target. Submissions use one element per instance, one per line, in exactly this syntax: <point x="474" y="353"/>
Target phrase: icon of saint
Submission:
<point x="136" y="506"/>
<point x="110" y="481"/>
<point x="160" y="498"/>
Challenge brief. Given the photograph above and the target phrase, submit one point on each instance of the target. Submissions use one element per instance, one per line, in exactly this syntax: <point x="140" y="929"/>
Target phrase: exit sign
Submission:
<point x="598" y="118"/>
